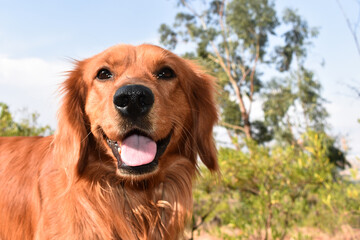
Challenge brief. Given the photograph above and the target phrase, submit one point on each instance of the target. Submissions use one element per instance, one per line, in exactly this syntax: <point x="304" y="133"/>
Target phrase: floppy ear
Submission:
<point x="71" y="136"/>
<point x="204" y="115"/>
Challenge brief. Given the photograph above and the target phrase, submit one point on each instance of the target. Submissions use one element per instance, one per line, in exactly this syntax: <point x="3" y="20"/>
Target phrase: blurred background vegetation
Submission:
<point x="280" y="174"/>
<point x="21" y="124"/>
<point x="280" y="177"/>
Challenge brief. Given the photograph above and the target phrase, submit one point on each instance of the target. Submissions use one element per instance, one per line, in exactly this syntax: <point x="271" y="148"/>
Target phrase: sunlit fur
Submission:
<point x="67" y="186"/>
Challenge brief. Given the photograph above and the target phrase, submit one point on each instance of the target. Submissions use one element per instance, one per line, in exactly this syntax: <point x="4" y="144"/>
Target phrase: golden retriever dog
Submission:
<point x="132" y="124"/>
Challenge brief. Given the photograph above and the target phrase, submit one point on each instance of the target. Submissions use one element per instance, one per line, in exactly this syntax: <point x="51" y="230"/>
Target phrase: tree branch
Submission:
<point x="353" y="31"/>
<point x="235" y="127"/>
<point x="220" y="60"/>
<point x="224" y="33"/>
<point x="252" y="75"/>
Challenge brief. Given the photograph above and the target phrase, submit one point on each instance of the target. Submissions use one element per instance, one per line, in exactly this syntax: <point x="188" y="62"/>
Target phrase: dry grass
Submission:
<point x="346" y="232"/>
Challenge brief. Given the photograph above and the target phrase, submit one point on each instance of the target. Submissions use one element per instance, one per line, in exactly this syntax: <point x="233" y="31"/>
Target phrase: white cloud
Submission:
<point x="32" y="83"/>
<point x="29" y="71"/>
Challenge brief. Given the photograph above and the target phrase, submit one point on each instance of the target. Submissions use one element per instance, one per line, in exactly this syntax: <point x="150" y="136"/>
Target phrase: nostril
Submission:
<point x="146" y="100"/>
<point x="123" y="101"/>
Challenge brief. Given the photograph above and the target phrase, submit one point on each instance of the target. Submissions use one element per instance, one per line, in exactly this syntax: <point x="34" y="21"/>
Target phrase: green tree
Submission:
<point x="294" y="105"/>
<point x="232" y="40"/>
<point x="27" y="126"/>
<point x="271" y="191"/>
<point x="300" y="91"/>
<point x="265" y="189"/>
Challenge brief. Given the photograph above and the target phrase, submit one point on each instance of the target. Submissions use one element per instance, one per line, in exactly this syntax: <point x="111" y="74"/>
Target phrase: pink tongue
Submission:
<point x="137" y="150"/>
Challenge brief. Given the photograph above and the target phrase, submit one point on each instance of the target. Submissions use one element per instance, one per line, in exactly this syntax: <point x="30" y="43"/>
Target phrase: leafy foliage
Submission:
<point x="282" y="171"/>
<point x="294" y="104"/>
<point x="296" y="40"/>
<point x="233" y="39"/>
<point x="266" y="192"/>
<point x="27" y="126"/>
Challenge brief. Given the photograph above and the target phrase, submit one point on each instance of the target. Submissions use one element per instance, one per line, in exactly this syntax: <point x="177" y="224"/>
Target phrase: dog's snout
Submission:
<point x="133" y="101"/>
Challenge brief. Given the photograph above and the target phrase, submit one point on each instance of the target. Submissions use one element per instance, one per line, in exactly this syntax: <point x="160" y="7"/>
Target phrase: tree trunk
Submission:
<point x="247" y="125"/>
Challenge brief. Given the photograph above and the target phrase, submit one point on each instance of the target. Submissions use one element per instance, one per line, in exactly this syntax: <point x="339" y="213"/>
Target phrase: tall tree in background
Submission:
<point x="294" y="104"/>
<point x="264" y="191"/>
<point x="232" y="39"/>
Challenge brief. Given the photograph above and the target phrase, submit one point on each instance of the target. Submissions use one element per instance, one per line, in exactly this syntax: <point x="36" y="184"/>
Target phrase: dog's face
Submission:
<point x="144" y="104"/>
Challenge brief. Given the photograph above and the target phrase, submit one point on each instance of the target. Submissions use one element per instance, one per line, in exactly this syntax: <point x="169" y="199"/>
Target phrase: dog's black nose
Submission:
<point x="133" y="101"/>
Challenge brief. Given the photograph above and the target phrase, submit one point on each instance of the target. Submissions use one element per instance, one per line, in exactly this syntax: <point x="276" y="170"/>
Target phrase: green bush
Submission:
<point x="26" y="126"/>
<point x="268" y="191"/>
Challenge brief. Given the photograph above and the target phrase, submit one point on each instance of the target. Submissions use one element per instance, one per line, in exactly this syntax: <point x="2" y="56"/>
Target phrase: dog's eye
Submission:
<point x="165" y="73"/>
<point x="104" y="74"/>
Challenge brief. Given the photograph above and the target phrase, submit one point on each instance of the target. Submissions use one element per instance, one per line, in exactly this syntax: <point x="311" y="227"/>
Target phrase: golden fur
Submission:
<point x="68" y="186"/>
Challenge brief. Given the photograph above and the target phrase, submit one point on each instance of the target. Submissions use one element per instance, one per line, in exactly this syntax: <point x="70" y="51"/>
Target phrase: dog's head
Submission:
<point x="138" y="105"/>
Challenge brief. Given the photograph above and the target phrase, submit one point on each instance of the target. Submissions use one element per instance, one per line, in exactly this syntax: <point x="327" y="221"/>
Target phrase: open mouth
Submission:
<point x="137" y="153"/>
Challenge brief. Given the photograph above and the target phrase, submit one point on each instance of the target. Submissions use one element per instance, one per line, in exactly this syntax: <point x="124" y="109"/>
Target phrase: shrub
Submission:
<point x="268" y="191"/>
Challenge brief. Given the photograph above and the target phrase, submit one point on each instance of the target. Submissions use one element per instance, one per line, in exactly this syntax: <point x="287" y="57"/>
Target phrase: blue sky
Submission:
<point x="39" y="38"/>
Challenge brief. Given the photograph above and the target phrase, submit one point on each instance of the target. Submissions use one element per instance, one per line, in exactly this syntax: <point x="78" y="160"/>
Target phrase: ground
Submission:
<point x="344" y="233"/>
